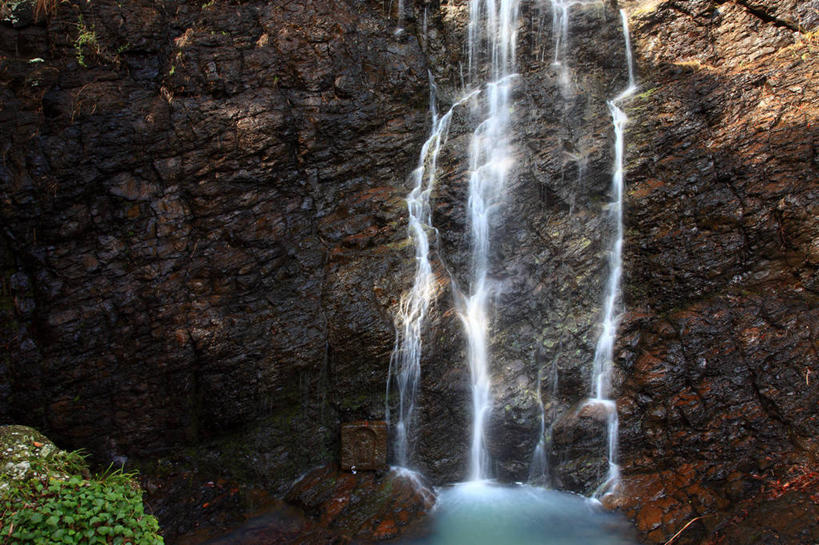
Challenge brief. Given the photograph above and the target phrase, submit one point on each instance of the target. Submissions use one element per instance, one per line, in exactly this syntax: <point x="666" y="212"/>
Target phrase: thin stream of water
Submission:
<point x="612" y="311"/>
<point x="405" y="363"/>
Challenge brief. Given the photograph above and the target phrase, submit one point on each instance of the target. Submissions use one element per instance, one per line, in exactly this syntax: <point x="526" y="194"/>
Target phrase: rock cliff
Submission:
<point x="203" y="225"/>
<point x="719" y="346"/>
<point x="204" y="240"/>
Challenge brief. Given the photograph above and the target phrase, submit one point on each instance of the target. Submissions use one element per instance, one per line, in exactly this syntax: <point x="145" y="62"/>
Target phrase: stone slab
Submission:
<point x="364" y="446"/>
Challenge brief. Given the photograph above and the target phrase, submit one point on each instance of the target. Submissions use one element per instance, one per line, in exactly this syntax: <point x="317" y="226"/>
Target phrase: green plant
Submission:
<point x="86" y="41"/>
<point x="56" y="504"/>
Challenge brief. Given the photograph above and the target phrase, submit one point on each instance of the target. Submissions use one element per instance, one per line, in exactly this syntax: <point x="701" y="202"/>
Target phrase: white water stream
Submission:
<point x="405" y="363"/>
<point x="612" y="311"/>
<point x="492" y="35"/>
<point x="492" y="32"/>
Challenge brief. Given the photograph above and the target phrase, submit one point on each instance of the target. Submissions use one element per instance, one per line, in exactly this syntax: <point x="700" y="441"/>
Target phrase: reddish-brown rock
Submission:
<point x="720" y="345"/>
<point x="363" y="506"/>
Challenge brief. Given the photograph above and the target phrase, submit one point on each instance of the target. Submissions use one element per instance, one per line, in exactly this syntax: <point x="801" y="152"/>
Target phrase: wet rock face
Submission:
<point x="204" y="239"/>
<point x="719" y="347"/>
<point x="366" y="506"/>
<point x="202" y="229"/>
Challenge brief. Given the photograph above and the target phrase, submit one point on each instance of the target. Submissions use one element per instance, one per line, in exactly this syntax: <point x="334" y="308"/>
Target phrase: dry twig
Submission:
<point x="689" y="523"/>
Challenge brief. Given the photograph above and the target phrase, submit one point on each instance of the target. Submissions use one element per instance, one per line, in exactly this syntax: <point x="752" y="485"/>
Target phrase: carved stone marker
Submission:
<point x="364" y="446"/>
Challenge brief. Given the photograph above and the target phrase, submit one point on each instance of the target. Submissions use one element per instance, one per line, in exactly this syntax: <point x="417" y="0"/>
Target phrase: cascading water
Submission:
<point x="491" y="75"/>
<point x="480" y="512"/>
<point x="405" y="363"/>
<point x="604" y="352"/>
<point x="560" y="31"/>
<point x="492" y="23"/>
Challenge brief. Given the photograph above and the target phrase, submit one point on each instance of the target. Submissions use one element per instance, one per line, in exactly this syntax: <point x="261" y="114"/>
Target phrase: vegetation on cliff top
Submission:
<point x="48" y="496"/>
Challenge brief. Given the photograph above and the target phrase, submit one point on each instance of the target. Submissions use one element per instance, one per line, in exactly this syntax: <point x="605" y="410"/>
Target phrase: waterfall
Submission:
<point x="604" y="352"/>
<point x="491" y="33"/>
<point x="492" y="25"/>
<point x="405" y="363"/>
<point x="490" y="74"/>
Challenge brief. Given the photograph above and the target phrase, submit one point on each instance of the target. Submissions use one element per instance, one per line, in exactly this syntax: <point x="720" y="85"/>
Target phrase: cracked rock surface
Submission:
<point x="720" y="343"/>
<point x="203" y="242"/>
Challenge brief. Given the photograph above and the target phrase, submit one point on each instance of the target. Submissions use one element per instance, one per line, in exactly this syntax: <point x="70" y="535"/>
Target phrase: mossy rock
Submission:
<point x="26" y="453"/>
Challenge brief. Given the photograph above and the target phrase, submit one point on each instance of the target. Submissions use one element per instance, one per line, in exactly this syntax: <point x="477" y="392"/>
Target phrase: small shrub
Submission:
<point x="86" y="42"/>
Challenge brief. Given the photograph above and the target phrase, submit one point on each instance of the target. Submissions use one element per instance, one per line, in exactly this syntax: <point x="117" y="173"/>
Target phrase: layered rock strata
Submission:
<point x="204" y="239"/>
<point x="719" y="346"/>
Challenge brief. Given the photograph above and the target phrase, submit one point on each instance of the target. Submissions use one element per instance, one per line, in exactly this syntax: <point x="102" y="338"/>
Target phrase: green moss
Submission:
<point x="647" y="93"/>
<point x="47" y="496"/>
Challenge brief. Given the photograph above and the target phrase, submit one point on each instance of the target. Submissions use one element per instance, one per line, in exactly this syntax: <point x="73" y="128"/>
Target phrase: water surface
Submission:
<point x="484" y="513"/>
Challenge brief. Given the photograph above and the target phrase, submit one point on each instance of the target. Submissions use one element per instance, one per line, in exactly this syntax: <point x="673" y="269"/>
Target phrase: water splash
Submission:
<point x="604" y="352"/>
<point x="405" y="363"/>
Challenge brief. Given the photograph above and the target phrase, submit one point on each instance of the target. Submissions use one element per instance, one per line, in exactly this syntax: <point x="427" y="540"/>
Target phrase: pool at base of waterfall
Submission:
<point x="486" y="513"/>
<point x="471" y="513"/>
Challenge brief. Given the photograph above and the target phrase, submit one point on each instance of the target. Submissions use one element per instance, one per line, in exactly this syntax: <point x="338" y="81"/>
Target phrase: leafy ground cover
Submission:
<point x="48" y="496"/>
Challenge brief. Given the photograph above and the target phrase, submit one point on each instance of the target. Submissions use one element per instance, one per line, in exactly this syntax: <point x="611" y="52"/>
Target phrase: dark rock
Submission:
<point x="191" y="213"/>
<point x="721" y="274"/>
